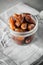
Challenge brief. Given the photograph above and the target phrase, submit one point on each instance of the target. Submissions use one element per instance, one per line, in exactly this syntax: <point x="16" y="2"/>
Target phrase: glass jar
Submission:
<point x="21" y="38"/>
<point x="25" y="37"/>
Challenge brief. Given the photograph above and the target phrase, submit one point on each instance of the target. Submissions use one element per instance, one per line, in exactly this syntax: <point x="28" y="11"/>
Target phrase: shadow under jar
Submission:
<point x="23" y="27"/>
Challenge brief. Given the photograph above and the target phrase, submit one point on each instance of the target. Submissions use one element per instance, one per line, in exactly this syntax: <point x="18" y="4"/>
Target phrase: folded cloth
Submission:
<point x="6" y="60"/>
<point x="38" y="61"/>
<point x="22" y="55"/>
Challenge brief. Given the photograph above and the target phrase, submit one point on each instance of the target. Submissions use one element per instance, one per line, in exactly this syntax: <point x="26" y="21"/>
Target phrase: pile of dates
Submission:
<point x="22" y="23"/>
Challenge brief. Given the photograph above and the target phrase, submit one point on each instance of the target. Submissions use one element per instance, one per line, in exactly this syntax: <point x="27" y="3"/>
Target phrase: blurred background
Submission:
<point x="5" y="4"/>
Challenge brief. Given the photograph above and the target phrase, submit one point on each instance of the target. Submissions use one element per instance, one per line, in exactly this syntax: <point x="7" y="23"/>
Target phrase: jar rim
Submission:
<point x="34" y="17"/>
<point x="27" y="32"/>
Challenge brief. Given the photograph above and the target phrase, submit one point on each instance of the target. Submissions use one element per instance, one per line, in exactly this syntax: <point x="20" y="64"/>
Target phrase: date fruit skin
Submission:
<point x="23" y="40"/>
<point x="22" y="23"/>
<point x="30" y="26"/>
<point x="32" y="20"/>
<point x="24" y="26"/>
<point x="18" y="30"/>
<point x="19" y="43"/>
<point x="11" y="21"/>
<point x="17" y="23"/>
<point x="28" y="39"/>
<point x="19" y="38"/>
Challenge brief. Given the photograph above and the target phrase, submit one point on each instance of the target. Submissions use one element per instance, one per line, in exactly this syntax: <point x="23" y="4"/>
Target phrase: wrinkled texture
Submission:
<point x="22" y="23"/>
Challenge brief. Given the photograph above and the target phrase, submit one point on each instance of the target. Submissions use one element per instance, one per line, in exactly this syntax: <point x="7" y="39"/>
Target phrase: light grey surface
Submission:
<point x="38" y="4"/>
<point x="5" y="4"/>
<point x="6" y="60"/>
<point x="20" y="8"/>
<point x="29" y="53"/>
